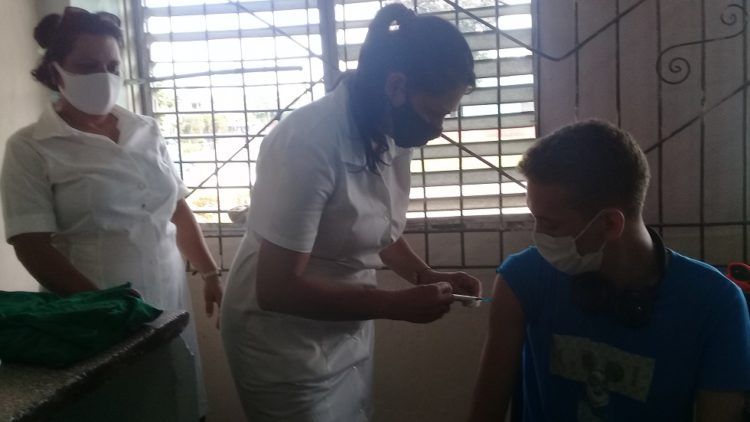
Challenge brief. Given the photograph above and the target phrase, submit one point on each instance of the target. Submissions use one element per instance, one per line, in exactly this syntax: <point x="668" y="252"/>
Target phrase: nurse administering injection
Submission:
<point x="329" y="208"/>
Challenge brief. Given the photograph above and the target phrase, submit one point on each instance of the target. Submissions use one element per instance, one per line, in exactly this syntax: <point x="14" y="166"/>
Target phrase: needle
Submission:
<point x="465" y="298"/>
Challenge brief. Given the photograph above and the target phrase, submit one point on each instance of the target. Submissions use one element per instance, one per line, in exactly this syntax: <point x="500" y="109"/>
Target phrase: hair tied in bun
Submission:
<point x="46" y="30"/>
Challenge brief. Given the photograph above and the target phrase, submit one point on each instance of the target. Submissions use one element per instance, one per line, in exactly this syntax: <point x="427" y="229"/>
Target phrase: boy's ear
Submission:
<point x="614" y="221"/>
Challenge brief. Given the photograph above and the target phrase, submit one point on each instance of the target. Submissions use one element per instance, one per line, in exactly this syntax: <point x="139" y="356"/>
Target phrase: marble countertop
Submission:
<point x="30" y="393"/>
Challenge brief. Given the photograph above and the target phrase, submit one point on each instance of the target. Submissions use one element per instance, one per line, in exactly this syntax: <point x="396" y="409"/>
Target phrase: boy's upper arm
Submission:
<point x="506" y="333"/>
<point x="506" y="310"/>
<point x="502" y="355"/>
<point x="524" y="276"/>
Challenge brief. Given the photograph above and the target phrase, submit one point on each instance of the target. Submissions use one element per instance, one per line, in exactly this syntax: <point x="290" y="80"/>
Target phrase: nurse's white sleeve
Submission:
<point x="28" y="202"/>
<point x="299" y="178"/>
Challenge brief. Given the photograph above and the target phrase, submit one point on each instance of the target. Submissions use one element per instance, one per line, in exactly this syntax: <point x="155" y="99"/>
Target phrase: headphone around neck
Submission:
<point x="631" y="307"/>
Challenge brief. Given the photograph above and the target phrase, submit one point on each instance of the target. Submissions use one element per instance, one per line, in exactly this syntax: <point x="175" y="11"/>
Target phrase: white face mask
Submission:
<point x="562" y="253"/>
<point x="95" y="93"/>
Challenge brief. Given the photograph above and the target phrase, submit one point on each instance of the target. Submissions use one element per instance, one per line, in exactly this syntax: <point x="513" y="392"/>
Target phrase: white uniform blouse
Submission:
<point x="108" y="204"/>
<point x="313" y="195"/>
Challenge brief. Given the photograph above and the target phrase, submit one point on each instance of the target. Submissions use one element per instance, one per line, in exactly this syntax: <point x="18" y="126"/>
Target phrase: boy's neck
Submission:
<point x="632" y="262"/>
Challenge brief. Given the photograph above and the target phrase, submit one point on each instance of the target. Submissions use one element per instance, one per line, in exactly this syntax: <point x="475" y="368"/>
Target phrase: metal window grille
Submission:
<point x="213" y="123"/>
<point x="222" y="72"/>
<point x="675" y="74"/>
<point x="593" y="58"/>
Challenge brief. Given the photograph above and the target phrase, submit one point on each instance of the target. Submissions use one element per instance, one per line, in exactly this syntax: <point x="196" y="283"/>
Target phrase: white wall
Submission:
<point x="22" y="102"/>
<point x="427" y="372"/>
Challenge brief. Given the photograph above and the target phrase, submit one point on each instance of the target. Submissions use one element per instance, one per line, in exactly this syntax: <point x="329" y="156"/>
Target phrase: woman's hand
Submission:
<point x="134" y="293"/>
<point x="400" y="258"/>
<point x="48" y="265"/>
<point x="212" y="294"/>
<point x="461" y="283"/>
<point x="421" y="304"/>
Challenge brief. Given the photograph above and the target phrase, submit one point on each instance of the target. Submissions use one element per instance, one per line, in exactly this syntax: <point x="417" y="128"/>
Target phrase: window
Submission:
<point x="246" y="64"/>
<point x="224" y="71"/>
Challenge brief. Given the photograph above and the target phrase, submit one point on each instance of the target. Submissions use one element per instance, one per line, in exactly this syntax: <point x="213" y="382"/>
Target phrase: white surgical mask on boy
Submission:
<point x="94" y="93"/>
<point x="562" y="253"/>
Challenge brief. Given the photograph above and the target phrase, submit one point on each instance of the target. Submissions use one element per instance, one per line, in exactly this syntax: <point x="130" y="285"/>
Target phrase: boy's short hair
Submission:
<point x="599" y="164"/>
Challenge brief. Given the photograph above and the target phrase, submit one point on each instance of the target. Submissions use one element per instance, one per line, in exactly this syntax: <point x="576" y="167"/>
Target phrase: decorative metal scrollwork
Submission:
<point x="678" y="69"/>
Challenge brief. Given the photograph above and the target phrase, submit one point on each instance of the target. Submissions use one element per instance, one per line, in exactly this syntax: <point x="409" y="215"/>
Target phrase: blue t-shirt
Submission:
<point x="587" y="367"/>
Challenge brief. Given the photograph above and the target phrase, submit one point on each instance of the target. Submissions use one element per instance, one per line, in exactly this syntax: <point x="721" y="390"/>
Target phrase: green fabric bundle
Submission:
<point x="56" y="331"/>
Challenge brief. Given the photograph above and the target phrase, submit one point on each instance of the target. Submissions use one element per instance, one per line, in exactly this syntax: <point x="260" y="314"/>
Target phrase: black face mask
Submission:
<point x="411" y="129"/>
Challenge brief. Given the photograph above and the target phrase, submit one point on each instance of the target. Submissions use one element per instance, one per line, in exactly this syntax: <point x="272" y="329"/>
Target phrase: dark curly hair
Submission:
<point x="57" y="34"/>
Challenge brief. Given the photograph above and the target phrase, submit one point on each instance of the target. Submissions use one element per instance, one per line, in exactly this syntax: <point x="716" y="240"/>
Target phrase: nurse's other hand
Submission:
<point x="462" y="283"/>
<point x="422" y="304"/>
<point x="212" y="294"/>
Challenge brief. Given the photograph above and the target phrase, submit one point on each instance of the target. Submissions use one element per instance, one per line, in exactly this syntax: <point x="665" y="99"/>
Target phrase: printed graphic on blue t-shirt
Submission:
<point x="579" y="366"/>
<point x="603" y="369"/>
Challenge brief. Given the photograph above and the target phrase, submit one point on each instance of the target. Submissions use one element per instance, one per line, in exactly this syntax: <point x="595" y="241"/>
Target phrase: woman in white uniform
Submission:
<point x="90" y="196"/>
<point x="328" y="209"/>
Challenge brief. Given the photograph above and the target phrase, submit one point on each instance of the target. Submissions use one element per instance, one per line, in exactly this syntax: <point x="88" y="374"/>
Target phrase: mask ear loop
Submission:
<point x="56" y="74"/>
<point x="59" y="68"/>
<point x="589" y="292"/>
<point x="61" y="74"/>
<point x="588" y="226"/>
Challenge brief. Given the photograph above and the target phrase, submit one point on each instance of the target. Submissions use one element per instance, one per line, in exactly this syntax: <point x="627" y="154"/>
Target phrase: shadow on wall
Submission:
<point x="23" y="101"/>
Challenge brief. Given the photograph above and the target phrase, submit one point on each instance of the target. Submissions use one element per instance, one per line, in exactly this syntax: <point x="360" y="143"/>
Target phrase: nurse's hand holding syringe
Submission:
<point x="434" y="289"/>
<point x="466" y="289"/>
<point x="420" y="304"/>
<point x="471" y="300"/>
